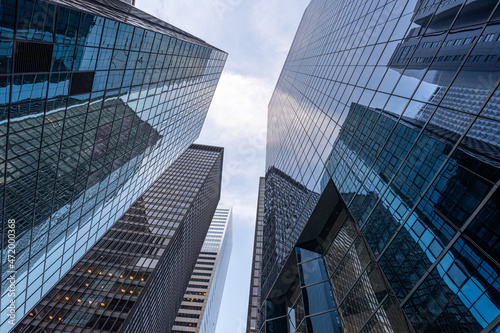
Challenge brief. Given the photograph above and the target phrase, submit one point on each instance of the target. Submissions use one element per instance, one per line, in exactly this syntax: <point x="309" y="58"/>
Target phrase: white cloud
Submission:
<point x="190" y="16"/>
<point x="274" y="23"/>
<point x="270" y="19"/>
<point x="237" y="121"/>
<point x="239" y="106"/>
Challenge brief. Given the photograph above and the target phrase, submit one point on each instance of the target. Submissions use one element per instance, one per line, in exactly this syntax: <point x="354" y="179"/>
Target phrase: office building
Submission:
<point x="134" y="278"/>
<point x="199" y="309"/>
<point x="254" y="295"/>
<point x="387" y="113"/>
<point x="97" y="99"/>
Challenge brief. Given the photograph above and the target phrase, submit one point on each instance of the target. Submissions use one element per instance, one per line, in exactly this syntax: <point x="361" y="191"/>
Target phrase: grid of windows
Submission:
<point x="95" y="103"/>
<point x="397" y="103"/>
<point x="254" y="295"/>
<point x="332" y="273"/>
<point x="205" y="316"/>
<point x="144" y="260"/>
<point x="283" y="223"/>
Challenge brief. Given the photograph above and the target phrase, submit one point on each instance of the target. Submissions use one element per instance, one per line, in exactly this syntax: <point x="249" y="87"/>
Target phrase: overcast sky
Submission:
<point x="257" y="35"/>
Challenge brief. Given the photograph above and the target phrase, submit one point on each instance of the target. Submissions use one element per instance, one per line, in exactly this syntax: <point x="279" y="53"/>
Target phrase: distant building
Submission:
<point x="134" y="278"/>
<point x="255" y="285"/>
<point x="199" y="309"/>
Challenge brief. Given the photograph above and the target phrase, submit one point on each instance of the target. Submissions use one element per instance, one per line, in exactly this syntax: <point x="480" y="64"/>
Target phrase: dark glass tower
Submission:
<point x="387" y="112"/>
<point x="97" y="99"/>
<point x="254" y="295"/>
<point x="283" y="222"/>
<point x="133" y="279"/>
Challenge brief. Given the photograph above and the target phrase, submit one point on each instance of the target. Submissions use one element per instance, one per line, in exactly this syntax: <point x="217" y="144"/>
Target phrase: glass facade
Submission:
<point x="254" y="294"/>
<point x="96" y="101"/>
<point x="331" y="282"/>
<point x="283" y="221"/>
<point x="133" y="279"/>
<point x="394" y="106"/>
<point x="199" y="309"/>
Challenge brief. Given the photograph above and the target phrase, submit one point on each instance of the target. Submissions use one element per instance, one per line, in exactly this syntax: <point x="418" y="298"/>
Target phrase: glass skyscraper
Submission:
<point x="134" y="278"/>
<point x="97" y="99"/>
<point x="387" y="115"/>
<point x="199" y="309"/>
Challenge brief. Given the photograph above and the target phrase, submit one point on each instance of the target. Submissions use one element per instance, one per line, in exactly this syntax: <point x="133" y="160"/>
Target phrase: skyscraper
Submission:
<point x="201" y="303"/>
<point x="133" y="279"/>
<point x="96" y="101"/>
<point x="387" y="113"/>
<point x="254" y="295"/>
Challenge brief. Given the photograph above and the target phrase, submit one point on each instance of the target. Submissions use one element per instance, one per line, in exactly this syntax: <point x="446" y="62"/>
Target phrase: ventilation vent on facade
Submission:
<point x="81" y="83"/>
<point x="32" y="57"/>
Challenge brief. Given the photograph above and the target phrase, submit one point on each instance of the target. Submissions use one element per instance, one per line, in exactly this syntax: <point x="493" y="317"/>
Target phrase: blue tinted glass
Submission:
<point x="109" y="33"/>
<point x="325" y="323"/>
<point x="100" y="80"/>
<point x="318" y="298"/>
<point x="62" y="58"/>
<point x="85" y="58"/>
<point x="6" y="55"/>
<point x="276" y="326"/>
<point x="275" y="308"/>
<point x="457" y="192"/>
<point x="104" y="60"/>
<point x="147" y="41"/>
<point x="137" y="39"/>
<point x="306" y="255"/>
<point x="124" y="37"/>
<point x="59" y="85"/>
<point x="67" y="24"/>
<point x="312" y="272"/>
<point x="156" y="43"/>
<point x="29" y="87"/>
<point x="7" y="19"/>
<point x="462" y="285"/>
<point x="90" y="30"/>
<point x="114" y="79"/>
<point x="483" y="229"/>
<point x="164" y="44"/>
<point x="31" y="28"/>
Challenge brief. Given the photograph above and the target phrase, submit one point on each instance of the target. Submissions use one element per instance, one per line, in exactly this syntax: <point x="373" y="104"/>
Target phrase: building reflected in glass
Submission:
<point x="394" y="107"/>
<point x="289" y="204"/>
<point x="96" y="101"/>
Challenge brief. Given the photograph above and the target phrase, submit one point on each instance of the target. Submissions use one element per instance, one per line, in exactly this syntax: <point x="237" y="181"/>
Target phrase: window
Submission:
<point x="489" y="37"/>
<point x="476" y="58"/>
<point x="468" y="40"/>
<point x="188" y="315"/>
<point x="182" y="323"/>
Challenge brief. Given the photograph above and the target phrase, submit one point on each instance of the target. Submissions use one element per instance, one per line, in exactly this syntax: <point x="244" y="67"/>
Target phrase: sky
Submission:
<point x="257" y="35"/>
